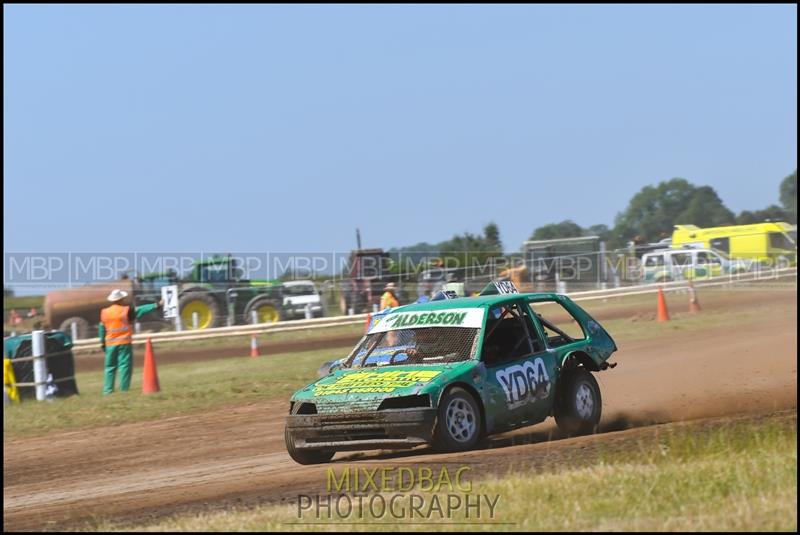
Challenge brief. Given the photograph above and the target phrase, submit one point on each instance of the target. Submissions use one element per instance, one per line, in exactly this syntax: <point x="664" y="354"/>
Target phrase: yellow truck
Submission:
<point x="765" y="244"/>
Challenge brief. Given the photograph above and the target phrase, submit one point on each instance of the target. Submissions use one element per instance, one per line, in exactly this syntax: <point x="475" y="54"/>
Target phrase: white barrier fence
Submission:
<point x="355" y="319"/>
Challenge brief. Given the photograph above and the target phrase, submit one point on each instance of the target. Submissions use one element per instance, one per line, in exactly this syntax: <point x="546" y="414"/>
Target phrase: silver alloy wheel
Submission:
<point x="584" y="401"/>
<point x="460" y="420"/>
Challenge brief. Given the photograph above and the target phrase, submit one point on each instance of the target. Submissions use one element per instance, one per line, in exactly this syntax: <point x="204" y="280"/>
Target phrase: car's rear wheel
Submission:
<point x="458" y="424"/>
<point x="303" y="456"/>
<point x="578" y="403"/>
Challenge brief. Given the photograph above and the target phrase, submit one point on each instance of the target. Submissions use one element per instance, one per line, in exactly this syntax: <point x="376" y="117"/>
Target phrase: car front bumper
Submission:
<point x="388" y="429"/>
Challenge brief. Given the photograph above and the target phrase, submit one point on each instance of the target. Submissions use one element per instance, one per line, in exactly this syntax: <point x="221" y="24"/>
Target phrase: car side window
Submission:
<point x="704" y="258"/>
<point x="559" y="325"/>
<point x="723" y="244"/>
<point x="654" y="261"/>
<point x="682" y="259"/>
<point x="507" y="337"/>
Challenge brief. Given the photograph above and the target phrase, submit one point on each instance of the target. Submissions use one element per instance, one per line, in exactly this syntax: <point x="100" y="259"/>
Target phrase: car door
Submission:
<point x="518" y="368"/>
<point x="708" y="264"/>
<point x="681" y="265"/>
<point x="654" y="269"/>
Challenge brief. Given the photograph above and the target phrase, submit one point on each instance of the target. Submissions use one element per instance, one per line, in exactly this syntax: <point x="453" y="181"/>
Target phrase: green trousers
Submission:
<point x="118" y="357"/>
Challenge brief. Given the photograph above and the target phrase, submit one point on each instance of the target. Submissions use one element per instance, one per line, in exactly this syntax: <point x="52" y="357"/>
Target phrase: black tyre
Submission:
<point x="458" y="423"/>
<point x="204" y="305"/>
<point x="83" y="328"/>
<point x="578" y="404"/>
<point x="306" y="456"/>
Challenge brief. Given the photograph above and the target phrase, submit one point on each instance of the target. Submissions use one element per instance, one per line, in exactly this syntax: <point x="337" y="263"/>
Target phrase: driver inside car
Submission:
<point x="429" y="345"/>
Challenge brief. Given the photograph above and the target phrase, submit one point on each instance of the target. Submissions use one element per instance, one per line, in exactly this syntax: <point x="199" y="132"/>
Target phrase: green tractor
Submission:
<point x="214" y="294"/>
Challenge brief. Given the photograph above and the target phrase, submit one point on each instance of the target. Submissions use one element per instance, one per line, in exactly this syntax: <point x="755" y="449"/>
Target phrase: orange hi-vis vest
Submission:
<point x="118" y="328"/>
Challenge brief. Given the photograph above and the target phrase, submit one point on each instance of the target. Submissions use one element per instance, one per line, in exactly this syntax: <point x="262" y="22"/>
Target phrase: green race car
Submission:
<point x="451" y="371"/>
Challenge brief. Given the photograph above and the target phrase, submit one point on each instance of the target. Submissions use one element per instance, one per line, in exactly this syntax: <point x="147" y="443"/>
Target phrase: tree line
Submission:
<point x="649" y="217"/>
<point x="654" y="211"/>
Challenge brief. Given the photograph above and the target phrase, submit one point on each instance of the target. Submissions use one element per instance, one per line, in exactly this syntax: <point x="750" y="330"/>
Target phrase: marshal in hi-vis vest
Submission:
<point x="118" y="328"/>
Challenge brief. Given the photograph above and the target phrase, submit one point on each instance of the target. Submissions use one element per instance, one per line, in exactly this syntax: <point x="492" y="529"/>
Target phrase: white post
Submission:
<point x="350" y="311"/>
<point x="178" y="326"/>
<point x="195" y="320"/>
<point x="375" y="308"/>
<point x="309" y="314"/>
<point x="602" y="272"/>
<point x="39" y="364"/>
<point x="13" y="333"/>
<point x="254" y="316"/>
<point x="137" y="327"/>
<point x="74" y="328"/>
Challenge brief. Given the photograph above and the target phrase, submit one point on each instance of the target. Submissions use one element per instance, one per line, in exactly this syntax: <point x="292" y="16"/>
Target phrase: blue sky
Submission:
<point x="283" y="128"/>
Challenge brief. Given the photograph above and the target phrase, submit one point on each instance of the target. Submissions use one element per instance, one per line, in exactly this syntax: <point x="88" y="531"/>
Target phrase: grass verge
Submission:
<point x="735" y="475"/>
<point x="185" y="387"/>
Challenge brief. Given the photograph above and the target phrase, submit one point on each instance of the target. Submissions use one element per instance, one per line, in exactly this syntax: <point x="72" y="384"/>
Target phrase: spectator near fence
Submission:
<point x="389" y="297"/>
<point x="116" y="337"/>
<point x="14" y="318"/>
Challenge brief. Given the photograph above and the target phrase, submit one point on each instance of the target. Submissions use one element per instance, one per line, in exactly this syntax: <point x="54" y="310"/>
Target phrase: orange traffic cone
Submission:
<point x="694" y="304"/>
<point x="253" y="346"/>
<point x="369" y="320"/>
<point x="663" y="315"/>
<point x="150" y="375"/>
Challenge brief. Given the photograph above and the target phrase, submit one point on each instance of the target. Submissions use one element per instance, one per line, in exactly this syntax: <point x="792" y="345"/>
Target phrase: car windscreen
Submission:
<point x="423" y="345"/>
<point x="721" y="253"/>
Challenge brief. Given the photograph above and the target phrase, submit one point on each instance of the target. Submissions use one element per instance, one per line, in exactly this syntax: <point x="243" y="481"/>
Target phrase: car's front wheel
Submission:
<point x="303" y="456"/>
<point x="458" y="424"/>
<point x="578" y="403"/>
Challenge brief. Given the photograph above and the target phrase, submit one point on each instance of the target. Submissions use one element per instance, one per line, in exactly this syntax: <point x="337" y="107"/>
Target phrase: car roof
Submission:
<point x="298" y="283"/>
<point x="479" y="301"/>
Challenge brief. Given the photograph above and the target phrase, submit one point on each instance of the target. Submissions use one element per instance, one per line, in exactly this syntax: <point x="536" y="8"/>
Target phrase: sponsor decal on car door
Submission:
<point x="519" y="379"/>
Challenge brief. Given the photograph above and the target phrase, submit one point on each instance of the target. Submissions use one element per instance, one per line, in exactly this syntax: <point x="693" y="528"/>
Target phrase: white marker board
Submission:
<point x="170" y="296"/>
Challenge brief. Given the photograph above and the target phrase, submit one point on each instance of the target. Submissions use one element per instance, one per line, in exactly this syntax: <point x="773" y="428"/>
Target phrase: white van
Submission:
<point x="667" y="265"/>
<point x="297" y="295"/>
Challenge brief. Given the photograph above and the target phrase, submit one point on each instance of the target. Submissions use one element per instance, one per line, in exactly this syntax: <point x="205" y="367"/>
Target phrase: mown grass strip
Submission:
<point x="185" y="387"/>
<point x="733" y="476"/>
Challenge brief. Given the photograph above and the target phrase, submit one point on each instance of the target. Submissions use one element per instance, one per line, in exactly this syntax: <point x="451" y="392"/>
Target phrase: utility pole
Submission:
<point x="358" y="238"/>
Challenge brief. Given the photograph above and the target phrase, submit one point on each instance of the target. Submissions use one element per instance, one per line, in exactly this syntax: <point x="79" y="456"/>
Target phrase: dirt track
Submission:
<point x="612" y="309"/>
<point x="237" y="456"/>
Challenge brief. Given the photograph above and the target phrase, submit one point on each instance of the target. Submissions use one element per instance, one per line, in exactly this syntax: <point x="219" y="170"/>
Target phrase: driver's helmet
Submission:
<point x="426" y="335"/>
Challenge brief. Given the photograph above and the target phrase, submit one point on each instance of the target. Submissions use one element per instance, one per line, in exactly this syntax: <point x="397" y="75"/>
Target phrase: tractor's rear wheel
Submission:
<point x="202" y="304"/>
